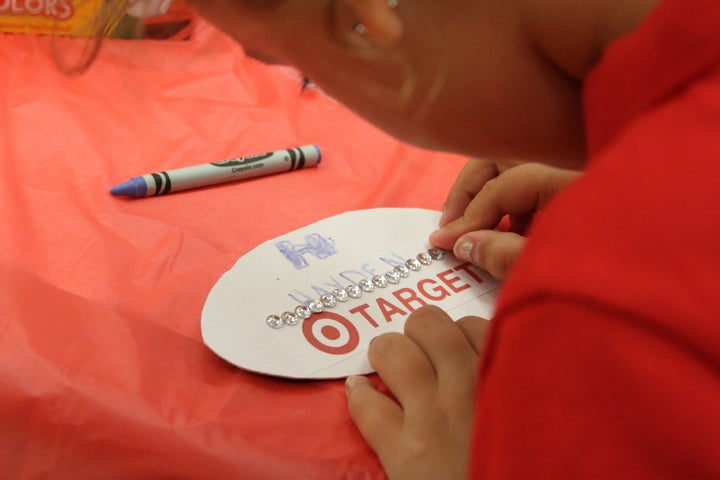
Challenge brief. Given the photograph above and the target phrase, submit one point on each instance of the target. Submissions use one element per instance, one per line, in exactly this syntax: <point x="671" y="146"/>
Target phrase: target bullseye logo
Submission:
<point x="331" y="333"/>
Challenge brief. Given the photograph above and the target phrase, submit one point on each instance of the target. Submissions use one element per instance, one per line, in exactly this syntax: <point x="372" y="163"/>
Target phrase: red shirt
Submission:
<point x="604" y="357"/>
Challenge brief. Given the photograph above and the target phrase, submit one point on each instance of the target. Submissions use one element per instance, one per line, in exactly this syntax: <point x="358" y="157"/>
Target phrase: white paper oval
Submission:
<point x="295" y="268"/>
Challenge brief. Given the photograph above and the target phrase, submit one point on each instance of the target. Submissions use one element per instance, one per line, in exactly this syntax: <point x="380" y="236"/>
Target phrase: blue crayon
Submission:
<point x="232" y="170"/>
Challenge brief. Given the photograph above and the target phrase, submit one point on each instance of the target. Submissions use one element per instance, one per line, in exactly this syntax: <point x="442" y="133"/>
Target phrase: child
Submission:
<point x="603" y="360"/>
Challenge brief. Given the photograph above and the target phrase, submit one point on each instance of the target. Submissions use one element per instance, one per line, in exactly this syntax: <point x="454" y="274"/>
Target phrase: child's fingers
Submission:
<point x="493" y="251"/>
<point x="518" y="190"/>
<point x="474" y="329"/>
<point x="404" y="368"/>
<point x="426" y="433"/>
<point x="377" y="416"/>
<point x="470" y="181"/>
<point x="451" y="354"/>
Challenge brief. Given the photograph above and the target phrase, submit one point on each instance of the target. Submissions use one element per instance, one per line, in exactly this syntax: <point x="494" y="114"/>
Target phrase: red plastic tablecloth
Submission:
<point x="103" y="373"/>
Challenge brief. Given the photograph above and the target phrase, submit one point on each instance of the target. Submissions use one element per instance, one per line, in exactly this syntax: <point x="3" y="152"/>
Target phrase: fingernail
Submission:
<point x="463" y="249"/>
<point x="350" y="382"/>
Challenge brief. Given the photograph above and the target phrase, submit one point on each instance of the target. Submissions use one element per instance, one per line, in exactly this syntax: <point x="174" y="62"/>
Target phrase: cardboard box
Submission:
<point x="156" y="19"/>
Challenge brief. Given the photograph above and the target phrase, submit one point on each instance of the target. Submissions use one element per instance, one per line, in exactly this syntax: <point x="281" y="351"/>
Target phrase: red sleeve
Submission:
<point x="603" y="360"/>
<point x="576" y="392"/>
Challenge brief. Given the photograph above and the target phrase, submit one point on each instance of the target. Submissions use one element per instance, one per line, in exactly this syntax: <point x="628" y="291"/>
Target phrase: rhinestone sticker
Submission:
<point x="366" y="286"/>
<point x="315" y="306"/>
<point x="289" y="318"/>
<point x="379" y="281"/>
<point x="354" y="291"/>
<point x="436" y="253"/>
<point x="392" y="277"/>
<point x="424" y="258"/>
<point x="274" y="321"/>
<point x="303" y="312"/>
<point x="413" y="264"/>
<point x="340" y="295"/>
<point x="402" y="270"/>
<point x="328" y="300"/>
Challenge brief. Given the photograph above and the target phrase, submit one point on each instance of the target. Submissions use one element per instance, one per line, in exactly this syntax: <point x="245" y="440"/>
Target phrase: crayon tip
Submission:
<point x="319" y="154"/>
<point x="135" y="187"/>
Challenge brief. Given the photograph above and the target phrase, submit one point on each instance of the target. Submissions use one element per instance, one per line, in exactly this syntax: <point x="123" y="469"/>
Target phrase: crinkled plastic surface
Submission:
<point x="103" y="373"/>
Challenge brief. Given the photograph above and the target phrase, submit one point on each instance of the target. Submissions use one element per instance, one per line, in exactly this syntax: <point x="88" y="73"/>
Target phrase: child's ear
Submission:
<point x="375" y="20"/>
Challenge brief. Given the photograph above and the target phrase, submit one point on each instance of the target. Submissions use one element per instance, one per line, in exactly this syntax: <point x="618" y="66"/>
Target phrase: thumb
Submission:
<point x="493" y="251"/>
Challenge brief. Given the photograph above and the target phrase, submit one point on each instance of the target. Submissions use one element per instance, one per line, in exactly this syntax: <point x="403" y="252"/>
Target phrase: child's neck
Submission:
<point x="573" y="34"/>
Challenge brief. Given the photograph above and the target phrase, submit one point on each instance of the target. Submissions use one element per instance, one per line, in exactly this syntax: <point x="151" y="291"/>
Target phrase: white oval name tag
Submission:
<point x="307" y="304"/>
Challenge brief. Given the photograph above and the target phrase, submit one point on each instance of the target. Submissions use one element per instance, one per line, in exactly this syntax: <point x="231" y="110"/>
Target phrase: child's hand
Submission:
<point x="482" y="195"/>
<point x="431" y="371"/>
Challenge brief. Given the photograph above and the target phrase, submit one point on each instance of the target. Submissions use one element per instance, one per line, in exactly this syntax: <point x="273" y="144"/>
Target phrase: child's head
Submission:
<point x="494" y="78"/>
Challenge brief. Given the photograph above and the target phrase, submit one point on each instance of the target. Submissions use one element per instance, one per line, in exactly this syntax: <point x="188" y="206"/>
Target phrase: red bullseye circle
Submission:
<point x="331" y="333"/>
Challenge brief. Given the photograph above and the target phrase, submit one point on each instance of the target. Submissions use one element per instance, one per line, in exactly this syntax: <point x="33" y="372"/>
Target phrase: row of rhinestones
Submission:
<point x="330" y="300"/>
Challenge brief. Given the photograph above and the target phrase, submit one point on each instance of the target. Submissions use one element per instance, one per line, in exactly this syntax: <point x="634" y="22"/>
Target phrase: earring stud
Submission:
<point x="360" y="29"/>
